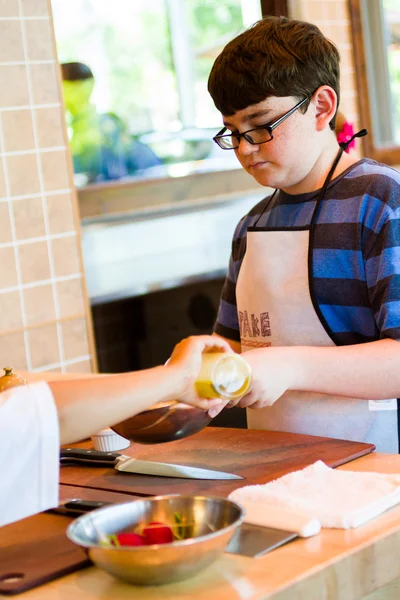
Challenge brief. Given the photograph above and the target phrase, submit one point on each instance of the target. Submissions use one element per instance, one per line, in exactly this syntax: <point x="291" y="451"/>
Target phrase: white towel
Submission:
<point x="340" y="499"/>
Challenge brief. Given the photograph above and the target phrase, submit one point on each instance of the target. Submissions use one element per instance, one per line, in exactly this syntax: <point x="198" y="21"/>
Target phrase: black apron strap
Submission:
<point x="343" y="147"/>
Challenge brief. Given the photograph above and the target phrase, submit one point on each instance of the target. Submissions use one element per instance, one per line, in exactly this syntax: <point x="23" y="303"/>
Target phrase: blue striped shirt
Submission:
<point x="356" y="253"/>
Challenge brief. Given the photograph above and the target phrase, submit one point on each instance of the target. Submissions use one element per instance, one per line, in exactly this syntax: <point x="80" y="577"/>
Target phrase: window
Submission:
<point x="376" y="34"/>
<point x="150" y="60"/>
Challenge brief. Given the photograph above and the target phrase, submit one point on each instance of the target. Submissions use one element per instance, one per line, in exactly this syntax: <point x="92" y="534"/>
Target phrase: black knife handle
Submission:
<point x="81" y="456"/>
<point x="76" y="507"/>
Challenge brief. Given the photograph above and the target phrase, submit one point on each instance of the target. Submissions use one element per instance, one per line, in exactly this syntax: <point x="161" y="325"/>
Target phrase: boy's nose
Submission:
<point x="245" y="147"/>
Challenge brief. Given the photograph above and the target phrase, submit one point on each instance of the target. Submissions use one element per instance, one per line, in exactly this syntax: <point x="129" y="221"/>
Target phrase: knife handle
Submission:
<point x="81" y="456"/>
<point x="76" y="506"/>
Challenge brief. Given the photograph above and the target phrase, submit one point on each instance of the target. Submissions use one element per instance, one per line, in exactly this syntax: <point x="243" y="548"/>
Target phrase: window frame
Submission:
<point x="274" y="7"/>
<point x="387" y="154"/>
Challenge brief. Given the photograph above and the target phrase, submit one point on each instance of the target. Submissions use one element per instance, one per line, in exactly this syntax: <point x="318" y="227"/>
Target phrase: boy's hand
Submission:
<point x="272" y="375"/>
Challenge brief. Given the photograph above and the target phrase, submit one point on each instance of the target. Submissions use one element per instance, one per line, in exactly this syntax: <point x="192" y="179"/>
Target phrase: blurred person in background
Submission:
<point x="102" y="147"/>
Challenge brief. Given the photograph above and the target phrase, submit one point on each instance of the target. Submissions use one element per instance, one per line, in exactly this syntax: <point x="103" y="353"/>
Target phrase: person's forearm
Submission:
<point x="90" y="404"/>
<point x="32" y="376"/>
<point x="370" y="371"/>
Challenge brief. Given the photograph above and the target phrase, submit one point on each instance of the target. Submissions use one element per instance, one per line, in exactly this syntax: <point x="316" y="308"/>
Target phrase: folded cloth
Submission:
<point x="340" y="499"/>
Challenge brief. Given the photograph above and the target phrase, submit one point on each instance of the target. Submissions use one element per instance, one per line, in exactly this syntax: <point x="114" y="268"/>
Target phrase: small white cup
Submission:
<point x="107" y="440"/>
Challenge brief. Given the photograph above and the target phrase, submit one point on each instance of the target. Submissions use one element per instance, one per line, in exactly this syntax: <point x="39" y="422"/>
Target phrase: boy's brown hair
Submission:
<point x="275" y="57"/>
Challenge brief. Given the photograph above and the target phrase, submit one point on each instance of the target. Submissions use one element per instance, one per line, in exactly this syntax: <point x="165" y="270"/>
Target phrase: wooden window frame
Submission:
<point x="389" y="154"/>
<point x="274" y="7"/>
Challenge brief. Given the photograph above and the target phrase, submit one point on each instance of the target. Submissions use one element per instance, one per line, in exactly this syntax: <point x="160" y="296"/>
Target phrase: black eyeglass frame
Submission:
<point x="268" y="126"/>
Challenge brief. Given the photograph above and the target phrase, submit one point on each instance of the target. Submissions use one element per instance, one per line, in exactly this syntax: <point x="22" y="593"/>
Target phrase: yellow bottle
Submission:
<point x="223" y="375"/>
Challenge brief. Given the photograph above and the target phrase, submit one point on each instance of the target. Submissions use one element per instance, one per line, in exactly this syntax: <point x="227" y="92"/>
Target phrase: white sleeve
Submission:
<point x="29" y="451"/>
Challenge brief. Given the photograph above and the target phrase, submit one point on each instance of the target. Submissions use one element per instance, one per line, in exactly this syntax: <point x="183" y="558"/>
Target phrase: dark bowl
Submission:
<point x="163" y="422"/>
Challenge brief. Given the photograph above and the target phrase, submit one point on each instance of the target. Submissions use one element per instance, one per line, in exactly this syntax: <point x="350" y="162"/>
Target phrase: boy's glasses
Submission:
<point x="259" y="135"/>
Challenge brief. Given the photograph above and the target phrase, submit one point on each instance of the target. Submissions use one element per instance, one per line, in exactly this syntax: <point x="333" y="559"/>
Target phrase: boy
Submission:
<point x="312" y="293"/>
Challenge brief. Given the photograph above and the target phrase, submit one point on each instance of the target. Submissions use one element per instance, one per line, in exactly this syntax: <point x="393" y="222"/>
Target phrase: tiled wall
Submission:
<point x="44" y="314"/>
<point x="333" y="18"/>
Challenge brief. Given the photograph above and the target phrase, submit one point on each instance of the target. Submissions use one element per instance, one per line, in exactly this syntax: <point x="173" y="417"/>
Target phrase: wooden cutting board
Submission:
<point x="258" y="456"/>
<point x="36" y="550"/>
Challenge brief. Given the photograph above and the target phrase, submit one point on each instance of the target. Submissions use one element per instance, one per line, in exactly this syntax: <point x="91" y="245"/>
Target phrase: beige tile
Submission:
<point x="23" y="174"/>
<point x="34" y="262"/>
<point x="45" y="84"/>
<point x="39" y="304"/>
<point x="346" y="57"/>
<point x="340" y="35"/>
<point x="60" y="213"/>
<point x="75" y="338"/>
<point x="3" y="193"/>
<point x="85" y="366"/>
<point x="342" y="11"/>
<point x="11" y="48"/>
<point x="66" y="256"/>
<point x="55" y="170"/>
<point x="43" y="344"/>
<point x="9" y="8"/>
<point x="10" y="311"/>
<point x="12" y="351"/>
<point x="5" y="227"/>
<point x="49" y="127"/>
<point x="70" y="298"/>
<point x="8" y="277"/>
<point x="28" y="217"/>
<point x="13" y="86"/>
<point x="39" y="41"/>
<point x="34" y="8"/>
<point x="18" y="130"/>
<point x="331" y="12"/>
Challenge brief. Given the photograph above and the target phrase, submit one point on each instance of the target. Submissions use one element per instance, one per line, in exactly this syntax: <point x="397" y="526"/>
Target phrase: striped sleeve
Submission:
<point x="383" y="277"/>
<point x="227" y="324"/>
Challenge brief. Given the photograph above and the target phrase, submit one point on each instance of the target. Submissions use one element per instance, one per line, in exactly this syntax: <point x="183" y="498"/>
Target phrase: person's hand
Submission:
<point x="272" y="376"/>
<point x="186" y="358"/>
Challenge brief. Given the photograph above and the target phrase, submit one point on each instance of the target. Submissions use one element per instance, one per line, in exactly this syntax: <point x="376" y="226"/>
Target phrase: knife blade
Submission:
<point x="255" y="540"/>
<point x="120" y="462"/>
<point x="266" y="527"/>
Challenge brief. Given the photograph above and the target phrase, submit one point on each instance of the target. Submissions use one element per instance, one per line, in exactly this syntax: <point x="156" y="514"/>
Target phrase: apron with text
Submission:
<point x="275" y="308"/>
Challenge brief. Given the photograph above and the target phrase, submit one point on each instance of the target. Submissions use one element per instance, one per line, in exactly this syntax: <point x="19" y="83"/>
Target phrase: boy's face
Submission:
<point x="286" y="160"/>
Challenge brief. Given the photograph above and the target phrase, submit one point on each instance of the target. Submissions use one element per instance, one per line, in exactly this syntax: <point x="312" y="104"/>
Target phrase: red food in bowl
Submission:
<point x="157" y="533"/>
<point x="129" y="539"/>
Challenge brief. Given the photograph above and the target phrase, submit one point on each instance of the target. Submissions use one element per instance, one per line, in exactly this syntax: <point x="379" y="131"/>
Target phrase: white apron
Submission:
<point x="275" y="308"/>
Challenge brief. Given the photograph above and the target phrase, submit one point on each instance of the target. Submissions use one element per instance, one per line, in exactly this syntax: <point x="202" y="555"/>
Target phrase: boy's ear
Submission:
<point x="325" y="101"/>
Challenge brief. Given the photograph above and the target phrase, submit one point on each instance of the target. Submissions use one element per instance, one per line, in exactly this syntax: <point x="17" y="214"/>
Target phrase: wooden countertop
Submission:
<point x="359" y="564"/>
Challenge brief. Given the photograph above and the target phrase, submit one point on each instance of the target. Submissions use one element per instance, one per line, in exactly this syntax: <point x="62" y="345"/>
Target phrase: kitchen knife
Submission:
<point x="120" y="462"/>
<point x="76" y="507"/>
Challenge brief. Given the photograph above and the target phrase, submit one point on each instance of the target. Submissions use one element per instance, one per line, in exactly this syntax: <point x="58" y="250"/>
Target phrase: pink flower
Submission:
<point x="345" y="134"/>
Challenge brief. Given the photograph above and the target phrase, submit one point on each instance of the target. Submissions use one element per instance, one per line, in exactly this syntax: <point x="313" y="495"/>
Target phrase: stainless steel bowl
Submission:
<point x="214" y="521"/>
<point x="163" y="422"/>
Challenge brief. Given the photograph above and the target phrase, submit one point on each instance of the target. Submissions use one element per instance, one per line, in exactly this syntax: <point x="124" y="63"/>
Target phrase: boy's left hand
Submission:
<point x="272" y="376"/>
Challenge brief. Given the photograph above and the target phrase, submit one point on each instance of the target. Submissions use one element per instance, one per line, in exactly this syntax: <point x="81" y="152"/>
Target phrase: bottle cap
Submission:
<point x="231" y="376"/>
